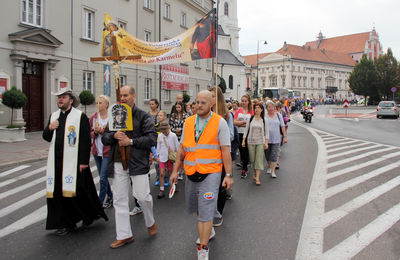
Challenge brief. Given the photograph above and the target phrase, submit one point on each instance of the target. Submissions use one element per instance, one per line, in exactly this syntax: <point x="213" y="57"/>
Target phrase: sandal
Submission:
<point x="258" y="182"/>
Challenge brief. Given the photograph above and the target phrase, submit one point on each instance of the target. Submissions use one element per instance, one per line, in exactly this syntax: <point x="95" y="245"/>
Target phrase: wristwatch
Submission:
<point x="131" y="141"/>
<point x="228" y="175"/>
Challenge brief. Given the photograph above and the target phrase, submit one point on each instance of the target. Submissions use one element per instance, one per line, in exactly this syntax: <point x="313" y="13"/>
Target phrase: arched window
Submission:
<point x="230" y="81"/>
<point x="226" y="9"/>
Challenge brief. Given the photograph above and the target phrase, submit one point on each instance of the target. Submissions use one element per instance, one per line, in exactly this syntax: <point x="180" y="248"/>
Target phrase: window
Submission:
<point x="167" y="95"/>
<point x="197" y="89"/>
<point x="88" y="77"/>
<point x="183" y="19"/>
<point x="283" y="81"/>
<point x="208" y="63"/>
<point x="88" y="19"/>
<point x="293" y="81"/>
<point x="305" y="82"/>
<point x="197" y="63"/>
<point x="32" y="12"/>
<point x="147" y="4"/>
<point x="147" y="89"/>
<point x="122" y="25"/>
<point x="263" y="82"/>
<point x="230" y="82"/>
<point x="122" y="80"/>
<point x="226" y="9"/>
<point x="273" y="82"/>
<point x="147" y="36"/>
<point x="167" y="11"/>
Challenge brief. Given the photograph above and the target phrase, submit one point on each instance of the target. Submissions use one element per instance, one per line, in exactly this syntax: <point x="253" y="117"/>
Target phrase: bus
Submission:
<point x="291" y="93"/>
<point x="277" y="93"/>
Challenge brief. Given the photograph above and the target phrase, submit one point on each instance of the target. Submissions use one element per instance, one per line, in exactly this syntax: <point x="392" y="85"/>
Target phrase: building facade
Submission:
<point x="49" y="43"/>
<point x="318" y="69"/>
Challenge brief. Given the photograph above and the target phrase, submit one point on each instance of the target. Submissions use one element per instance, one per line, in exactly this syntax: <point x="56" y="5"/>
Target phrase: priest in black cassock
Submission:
<point x="70" y="190"/>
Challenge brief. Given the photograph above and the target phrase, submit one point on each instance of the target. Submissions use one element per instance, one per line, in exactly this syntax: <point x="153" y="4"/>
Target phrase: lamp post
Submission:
<point x="255" y="94"/>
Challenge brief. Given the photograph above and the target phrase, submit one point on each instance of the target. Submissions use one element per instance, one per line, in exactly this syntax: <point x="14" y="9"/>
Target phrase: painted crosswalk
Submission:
<point x="32" y="190"/>
<point x="351" y="177"/>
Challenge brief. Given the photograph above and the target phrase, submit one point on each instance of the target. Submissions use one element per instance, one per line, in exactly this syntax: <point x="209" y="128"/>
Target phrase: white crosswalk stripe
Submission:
<point x="348" y="166"/>
<point x="38" y="214"/>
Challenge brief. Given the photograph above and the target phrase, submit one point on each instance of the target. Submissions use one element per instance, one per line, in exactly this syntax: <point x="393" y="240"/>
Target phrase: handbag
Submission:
<point x="171" y="155"/>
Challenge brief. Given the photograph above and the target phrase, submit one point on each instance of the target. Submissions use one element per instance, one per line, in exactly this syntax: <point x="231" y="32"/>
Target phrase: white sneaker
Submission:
<point x="269" y="171"/>
<point x="135" y="211"/>
<point x="180" y="176"/>
<point x="211" y="236"/>
<point x="273" y="175"/>
<point x="202" y="254"/>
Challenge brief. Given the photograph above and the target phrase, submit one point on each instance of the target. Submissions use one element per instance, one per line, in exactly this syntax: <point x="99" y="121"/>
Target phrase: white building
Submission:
<point x="46" y="43"/>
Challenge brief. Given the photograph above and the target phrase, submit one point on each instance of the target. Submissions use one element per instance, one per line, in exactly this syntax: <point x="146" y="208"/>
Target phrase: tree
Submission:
<point x="186" y="98"/>
<point x="363" y="79"/>
<point x="87" y="98"/>
<point x="14" y="99"/>
<point x="387" y="74"/>
<point x="222" y="84"/>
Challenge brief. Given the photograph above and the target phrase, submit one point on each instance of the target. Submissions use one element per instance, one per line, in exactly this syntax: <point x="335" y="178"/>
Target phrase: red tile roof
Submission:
<point x="319" y="55"/>
<point x="353" y="43"/>
<point x="252" y="59"/>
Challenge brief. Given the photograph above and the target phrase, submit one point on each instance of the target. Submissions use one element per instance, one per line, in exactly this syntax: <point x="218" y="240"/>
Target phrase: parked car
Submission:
<point x="387" y="108"/>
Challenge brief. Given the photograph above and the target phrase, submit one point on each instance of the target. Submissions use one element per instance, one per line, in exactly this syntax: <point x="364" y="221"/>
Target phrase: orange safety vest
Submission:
<point x="205" y="156"/>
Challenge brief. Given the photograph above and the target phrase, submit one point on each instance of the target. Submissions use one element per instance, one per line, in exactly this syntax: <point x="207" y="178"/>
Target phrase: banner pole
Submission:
<point x="216" y="59"/>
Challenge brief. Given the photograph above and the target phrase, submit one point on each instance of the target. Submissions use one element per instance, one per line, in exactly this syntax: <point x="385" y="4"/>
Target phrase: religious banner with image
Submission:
<point x="198" y="42"/>
<point x="120" y="118"/>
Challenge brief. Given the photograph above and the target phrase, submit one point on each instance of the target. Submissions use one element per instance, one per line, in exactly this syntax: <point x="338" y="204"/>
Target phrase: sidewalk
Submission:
<point x="33" y="149"/>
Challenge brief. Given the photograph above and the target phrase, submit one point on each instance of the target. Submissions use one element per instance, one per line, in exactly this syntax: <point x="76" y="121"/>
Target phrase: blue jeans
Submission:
<point x="102" y="165"/>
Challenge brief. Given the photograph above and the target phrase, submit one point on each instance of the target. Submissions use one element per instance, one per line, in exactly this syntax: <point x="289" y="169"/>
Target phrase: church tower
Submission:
<point x="227" y="18"/>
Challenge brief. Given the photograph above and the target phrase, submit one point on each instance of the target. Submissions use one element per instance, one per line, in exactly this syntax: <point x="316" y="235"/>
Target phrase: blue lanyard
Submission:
<point x="198" y="133"/>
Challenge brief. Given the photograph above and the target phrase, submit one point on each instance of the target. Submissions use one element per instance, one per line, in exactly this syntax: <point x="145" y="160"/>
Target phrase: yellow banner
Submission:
<point x="198" y="42"/>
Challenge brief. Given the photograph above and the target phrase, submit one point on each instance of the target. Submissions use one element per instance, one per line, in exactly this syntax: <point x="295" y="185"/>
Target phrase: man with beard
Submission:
<point x="71" y="193"/>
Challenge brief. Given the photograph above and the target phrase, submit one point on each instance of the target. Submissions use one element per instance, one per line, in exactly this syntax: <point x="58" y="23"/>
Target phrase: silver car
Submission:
<point x="387" y="108"/>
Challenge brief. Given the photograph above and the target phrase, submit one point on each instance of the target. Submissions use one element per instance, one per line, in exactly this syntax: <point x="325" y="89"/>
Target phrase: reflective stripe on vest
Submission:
<point x="205" y="156"/>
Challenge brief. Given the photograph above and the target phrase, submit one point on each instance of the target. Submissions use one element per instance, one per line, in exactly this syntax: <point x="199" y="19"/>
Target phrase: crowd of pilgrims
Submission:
<point x="258" y="129"/>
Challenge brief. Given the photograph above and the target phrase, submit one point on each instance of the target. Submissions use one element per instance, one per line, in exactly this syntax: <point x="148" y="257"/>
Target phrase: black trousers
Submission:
<point x="244" y="153"/>
<point x="221" y="194"/>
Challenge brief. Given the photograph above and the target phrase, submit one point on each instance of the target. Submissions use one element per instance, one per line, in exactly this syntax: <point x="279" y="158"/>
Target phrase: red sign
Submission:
<point x="345" y="103"/>
<point x="174" y="77"/>
<point x="3" y="86"/>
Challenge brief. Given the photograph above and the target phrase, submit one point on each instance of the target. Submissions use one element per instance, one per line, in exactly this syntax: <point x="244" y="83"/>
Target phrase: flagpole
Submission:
<point x="216" y="59"/>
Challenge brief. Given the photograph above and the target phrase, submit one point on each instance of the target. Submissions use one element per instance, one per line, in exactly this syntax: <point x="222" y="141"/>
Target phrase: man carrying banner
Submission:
<point x="137" y="145"/>
<point x="205" y="147"/>
<point x="71" y="193"/>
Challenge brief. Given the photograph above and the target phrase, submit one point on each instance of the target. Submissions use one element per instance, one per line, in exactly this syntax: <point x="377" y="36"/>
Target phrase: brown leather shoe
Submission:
<point x="119" y="243"/>
<point x="153" y="229"/>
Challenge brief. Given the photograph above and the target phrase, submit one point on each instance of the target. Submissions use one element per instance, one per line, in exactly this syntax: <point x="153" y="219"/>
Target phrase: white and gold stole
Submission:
<point x="70" y="155"/>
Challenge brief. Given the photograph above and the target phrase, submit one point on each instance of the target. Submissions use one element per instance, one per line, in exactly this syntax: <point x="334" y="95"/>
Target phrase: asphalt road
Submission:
<point x="259" y="222"/>
<point x="337" y="196"/>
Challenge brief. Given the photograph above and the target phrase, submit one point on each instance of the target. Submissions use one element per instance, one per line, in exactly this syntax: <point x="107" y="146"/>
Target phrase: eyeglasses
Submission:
<point x="201" y="102"/>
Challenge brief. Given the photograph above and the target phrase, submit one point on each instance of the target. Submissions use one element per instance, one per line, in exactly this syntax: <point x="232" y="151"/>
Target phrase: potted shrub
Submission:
<point x="14" y="99"/>
<point x="87" y="98"/>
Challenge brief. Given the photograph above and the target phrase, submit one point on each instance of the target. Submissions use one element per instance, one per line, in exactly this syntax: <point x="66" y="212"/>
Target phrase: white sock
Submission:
<point x="162" y="188"/>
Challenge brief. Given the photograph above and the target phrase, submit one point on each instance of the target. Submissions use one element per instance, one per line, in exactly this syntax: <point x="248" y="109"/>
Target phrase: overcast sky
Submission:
<point x="297" y="22"/>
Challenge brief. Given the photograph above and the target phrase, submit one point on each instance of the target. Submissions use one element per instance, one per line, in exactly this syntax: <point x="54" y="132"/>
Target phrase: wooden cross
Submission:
<point x="116" y="60"/>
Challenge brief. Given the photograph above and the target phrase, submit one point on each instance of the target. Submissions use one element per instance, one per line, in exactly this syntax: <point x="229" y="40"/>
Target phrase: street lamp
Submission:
<point x="258" y="47"/>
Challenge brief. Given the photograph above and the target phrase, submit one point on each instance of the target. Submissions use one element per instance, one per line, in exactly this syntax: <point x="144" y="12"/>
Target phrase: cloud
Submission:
<point x="300" y="21"/>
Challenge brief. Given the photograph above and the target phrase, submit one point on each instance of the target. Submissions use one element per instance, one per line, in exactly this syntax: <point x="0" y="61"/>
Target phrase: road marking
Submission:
<point x="360" y="166"/>
<point x="19" y="204"/>
<point x="348" y="147"/>
<point x="22" y="187"/>
<point x="36" y="216"/>
<point x="336" y="163"/>
<point x="360" y="179"/>
<point x="333" y="164"/>
<point x="21" y="177"/>
<point x="341" y="144"/>
<point x="338" y="140"/>
<point x="312" y="235"/>
<point x="336" y="214"/>
<point x="330" y="138"/>
<point x="11" y="171"/>
<point x="365" y="236"/>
